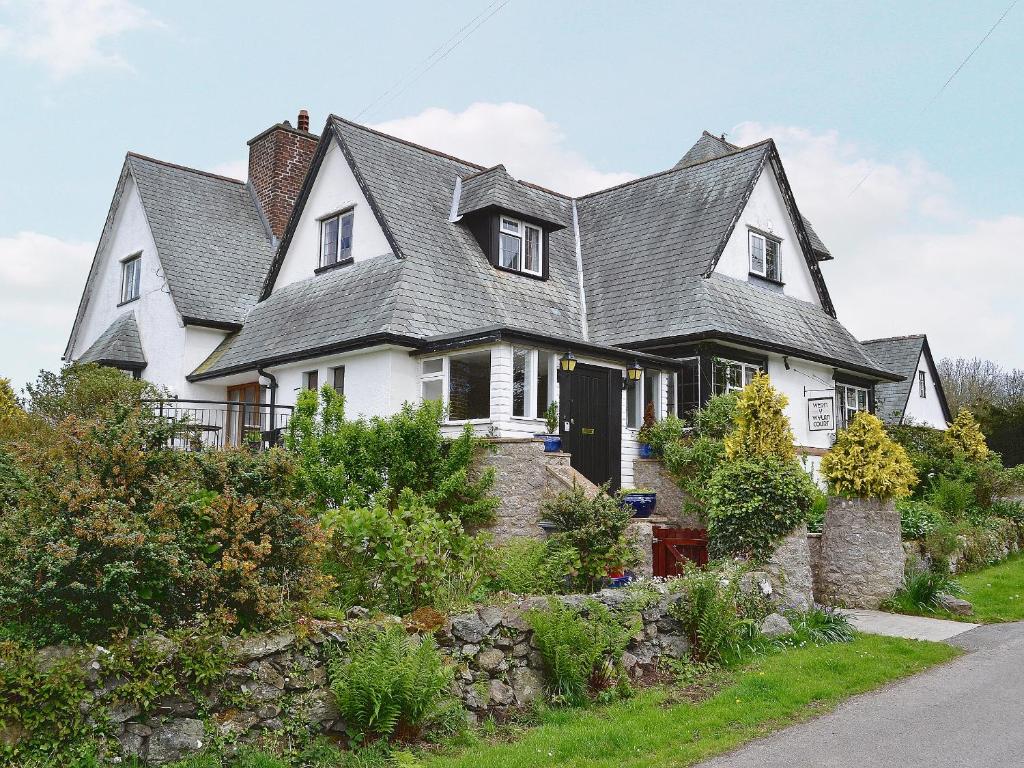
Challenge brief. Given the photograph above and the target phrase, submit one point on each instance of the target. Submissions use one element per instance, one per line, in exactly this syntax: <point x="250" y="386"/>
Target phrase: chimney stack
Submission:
<point x="279" y="159"/>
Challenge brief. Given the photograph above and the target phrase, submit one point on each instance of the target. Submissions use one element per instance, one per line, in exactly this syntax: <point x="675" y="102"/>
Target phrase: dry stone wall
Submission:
<point x="277" y="683"/>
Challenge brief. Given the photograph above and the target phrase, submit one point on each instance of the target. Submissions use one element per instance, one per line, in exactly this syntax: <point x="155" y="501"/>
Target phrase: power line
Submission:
<point x="949" y="80"/>
<point x="438" y="55"/>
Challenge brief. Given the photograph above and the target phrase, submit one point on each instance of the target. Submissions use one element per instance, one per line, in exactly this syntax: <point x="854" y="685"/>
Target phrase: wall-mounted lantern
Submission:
<point x="567" y="362"/>
<point x="634" y="372"/>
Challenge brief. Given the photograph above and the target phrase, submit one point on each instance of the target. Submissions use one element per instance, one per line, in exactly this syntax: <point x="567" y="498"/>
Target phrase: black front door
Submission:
<point x="590" y="407"/>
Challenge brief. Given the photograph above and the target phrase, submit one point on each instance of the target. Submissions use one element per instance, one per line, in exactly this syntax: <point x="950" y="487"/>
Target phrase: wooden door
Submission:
<point x="243" y="413"/>
<point x="590" y="406"/>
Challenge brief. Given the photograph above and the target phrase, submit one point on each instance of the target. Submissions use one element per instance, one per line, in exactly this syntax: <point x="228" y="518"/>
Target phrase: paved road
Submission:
<point x="966" y="714"/>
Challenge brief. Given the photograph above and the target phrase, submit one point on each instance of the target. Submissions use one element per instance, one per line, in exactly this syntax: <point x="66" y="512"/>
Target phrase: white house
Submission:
<point x="919" y="397"/>
<point x="397" y="273"/>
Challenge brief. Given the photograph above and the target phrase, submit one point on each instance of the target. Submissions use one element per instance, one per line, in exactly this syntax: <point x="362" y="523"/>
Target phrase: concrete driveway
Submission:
<point x="967" y="713"/>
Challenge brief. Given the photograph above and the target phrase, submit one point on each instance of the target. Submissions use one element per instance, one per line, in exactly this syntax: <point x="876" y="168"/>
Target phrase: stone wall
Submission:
<point x="277" y="683"/>
<point x="862" y="558"/>
<point x="524" y="477"/>
<point x="814" y="553"/>
<point x="671" y="507"/>
<point x="790" y="569"/>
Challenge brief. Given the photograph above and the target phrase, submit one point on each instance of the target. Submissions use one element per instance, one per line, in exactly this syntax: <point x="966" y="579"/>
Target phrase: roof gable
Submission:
<point x="708" y="147"/>
<point x="902" y="354"/>
<point x="119" y="345"/>
<point x="495" y="188"/>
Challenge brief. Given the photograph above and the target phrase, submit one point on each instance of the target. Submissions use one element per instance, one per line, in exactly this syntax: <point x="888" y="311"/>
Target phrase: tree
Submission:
<point x="965" y="434"/>
<point x="762" y="429"/>
<point x="866" y="463"/>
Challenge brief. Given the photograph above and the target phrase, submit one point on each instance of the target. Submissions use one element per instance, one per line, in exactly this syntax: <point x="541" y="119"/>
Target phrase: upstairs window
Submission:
<point x="131" y="277"/>
<point x="922" y="384"/>
<point x="520" y="246"/>
<point x="336" y="239"/>
<point x="764" y="256"/>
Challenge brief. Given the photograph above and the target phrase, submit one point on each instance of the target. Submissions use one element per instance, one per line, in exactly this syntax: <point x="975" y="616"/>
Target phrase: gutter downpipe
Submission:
<point x="273" y="397"/>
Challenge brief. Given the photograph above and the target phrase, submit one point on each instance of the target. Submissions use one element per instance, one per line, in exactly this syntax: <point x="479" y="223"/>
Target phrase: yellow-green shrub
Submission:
<point x="762" y="429"/>
<point x="965" y="434"/>
<point x="866" y="463"/>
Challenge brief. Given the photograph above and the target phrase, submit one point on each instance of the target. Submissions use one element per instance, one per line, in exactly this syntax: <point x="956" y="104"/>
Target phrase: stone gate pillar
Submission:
<point x="862" y="558"/>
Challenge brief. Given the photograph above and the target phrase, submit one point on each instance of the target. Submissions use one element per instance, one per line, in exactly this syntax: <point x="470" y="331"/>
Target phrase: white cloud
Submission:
<point x="41" y="280"/>
<point x="531" y="147"/>
<point x="908" y="257"/>
<point x="233" y="169"/>
<point x="70" y="36"/>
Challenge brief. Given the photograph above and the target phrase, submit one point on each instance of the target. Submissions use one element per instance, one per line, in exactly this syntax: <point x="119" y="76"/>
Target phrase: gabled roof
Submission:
<point x="213" y="246"/>
<point x="817" y="246"/>
<point x="495" y="188"/>
<point x="708" y="147"/>
<point x="901" y="355"/>
<point x="119" y="345"/>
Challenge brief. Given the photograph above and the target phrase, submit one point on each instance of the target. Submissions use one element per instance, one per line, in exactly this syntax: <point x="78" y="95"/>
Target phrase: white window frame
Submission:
<point x="131" y="291"/>
<point x="340" y="216"/>
<point x="745" y="368"/>
<point x="763" y="272"/>
<point x="843" y="411"/>
<point x="922" y="385"/>
<point x="444" y="376"/>
<point x="520" y="234"/>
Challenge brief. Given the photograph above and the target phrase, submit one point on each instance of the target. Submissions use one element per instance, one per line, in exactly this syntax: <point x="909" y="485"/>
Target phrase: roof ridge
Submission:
<point x="723" y="140"/>
<point x="667" y="171"/>
<point x="180" y="167"/>
<point x="407" y="142"/>
<point x="907" y="337"/>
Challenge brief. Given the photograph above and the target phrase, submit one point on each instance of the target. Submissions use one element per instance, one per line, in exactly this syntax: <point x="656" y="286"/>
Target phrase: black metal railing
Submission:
<point x="198" y="425"/>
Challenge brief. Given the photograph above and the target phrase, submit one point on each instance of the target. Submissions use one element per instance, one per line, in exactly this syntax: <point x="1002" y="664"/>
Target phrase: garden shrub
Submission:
<point x="595" y="529"/>
<point x="753" y="503"/>
<point x="866" y="463"/>
<point x="399" y="559"/>
<point x="918" y="519"/>
<point x="819" y="625"/>
<point x="762" y="428"/>
<point x="86" y="391"/>
<point x="816" y="514"/>
<point x="530" y="567"/>
<point x="965" y="434"/>
<point x="582" y="648"/>
<point x="955" y="498"/>
<point x="388" y="684"/>
<point x="363" y="463"/>
<point x="719" y="619"/>
<point x="9" y="405"/>
<point x="717" y="419"/>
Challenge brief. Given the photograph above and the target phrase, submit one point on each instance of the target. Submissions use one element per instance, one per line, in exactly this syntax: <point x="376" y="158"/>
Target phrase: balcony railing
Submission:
<point x="198" y="425"/>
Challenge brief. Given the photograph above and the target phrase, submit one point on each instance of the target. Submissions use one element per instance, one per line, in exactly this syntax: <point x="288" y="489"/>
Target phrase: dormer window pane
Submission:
<point x="771" y="261"/>
<point x="532" y="259"/>
<point x="757" y="254"/>
<point x="510" y="226"/>
<point x="511" y="247"/>
<point x="336" y="239"/>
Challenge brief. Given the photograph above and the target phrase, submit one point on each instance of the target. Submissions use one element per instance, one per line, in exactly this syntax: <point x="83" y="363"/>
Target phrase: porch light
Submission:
<point x="567" y="362"/>
<point x="634" y="372"/>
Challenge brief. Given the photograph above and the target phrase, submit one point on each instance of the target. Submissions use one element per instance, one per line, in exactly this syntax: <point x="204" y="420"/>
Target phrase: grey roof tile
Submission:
<point x="118" y="345"/>
<point x="495" y="188"/>
<point x="899" y="354"/>
<point x="708" y="147"/>
<point x="212" y="243"/>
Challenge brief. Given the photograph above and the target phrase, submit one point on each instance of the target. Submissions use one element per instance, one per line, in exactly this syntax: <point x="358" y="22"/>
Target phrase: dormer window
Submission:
<point x="764" y="256"/>
<point x="131" y="277"/>
<point x="520" y="246"/>
<point x="336" y="239"/>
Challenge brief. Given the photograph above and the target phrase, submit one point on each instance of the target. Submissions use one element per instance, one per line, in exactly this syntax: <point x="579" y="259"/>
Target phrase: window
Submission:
<point x="922" y="384"/>
<point x="764" y="256"/>
<point x="311" y="380"/>
<point x="432" y="380"/>
<point x="670" y="394"/>
<point x="469" y="386"/>
<point x="652" y="392"/>
<point x="339" y="379"/>
<point x="639" y="394"/>
<point x="336" y="239"/>
<point x="731" y="376"/>
<point x="633" y="404"/>
<point x="849" y="400"/>
<point x="520" y="246"/>
<point x="522" y="381"/>
<point x="131" y="276"/>
<point x="689" y="386"/>
<point x="546" y="368"/>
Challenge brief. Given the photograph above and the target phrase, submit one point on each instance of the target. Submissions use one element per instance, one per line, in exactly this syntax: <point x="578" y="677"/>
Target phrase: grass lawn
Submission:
<point x="997" y="594"/>
<point x="764" y="694"/>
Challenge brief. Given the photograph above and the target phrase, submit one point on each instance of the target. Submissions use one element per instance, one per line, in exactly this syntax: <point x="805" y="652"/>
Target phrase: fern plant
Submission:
<point x="389" y="683"/>
<point x="713" y="615"/>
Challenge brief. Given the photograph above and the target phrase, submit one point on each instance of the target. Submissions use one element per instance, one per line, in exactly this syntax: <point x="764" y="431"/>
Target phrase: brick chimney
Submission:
<point x="279" y="159"/>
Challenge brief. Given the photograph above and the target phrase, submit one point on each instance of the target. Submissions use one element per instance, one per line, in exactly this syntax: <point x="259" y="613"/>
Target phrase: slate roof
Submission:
<point x="901" y="354"/>
<point x="648" y="250"/>
<point x="495" y="188"/>
<point x="708" y="147"/>
<point x="211" y="239"/>
<point x="119" y="345"/>
<point x="819" y="248"/>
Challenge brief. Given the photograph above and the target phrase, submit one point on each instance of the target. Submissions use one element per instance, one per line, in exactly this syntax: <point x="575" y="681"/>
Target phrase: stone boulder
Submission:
<point x="775" y="625"/>
<point x="175" y="739"/>
<point x="789" y="569"/>
<point x="955" y="605"/>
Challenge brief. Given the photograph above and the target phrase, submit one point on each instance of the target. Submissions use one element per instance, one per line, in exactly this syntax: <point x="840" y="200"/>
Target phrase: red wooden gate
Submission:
<point x="672" y="546"/>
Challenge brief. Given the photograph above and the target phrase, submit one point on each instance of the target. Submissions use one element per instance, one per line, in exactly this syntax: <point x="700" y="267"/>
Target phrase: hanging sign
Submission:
<point x="821" y="414"/>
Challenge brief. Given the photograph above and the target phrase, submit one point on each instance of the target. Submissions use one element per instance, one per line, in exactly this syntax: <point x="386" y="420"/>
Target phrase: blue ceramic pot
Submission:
<point x="642" y="503"/>
<point x="646" y="451"/>
<point x="552" y="443"/>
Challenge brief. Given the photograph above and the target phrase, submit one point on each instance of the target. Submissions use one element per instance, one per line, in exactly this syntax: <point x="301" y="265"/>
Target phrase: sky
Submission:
<point x="913" y="185"/>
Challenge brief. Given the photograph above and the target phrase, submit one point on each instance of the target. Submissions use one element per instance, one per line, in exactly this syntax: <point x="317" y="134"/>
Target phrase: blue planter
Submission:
<point x="642" y="503"/>
<point x="552" y="443"/>
<point x="646" y="451"/>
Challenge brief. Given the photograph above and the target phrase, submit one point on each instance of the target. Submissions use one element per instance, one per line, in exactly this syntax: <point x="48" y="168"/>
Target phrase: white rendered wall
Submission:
<point x="335" y="187"/>
<point x="924" y="410"/>
<point x="766" y="210"/>
<point x="160" y="327"/>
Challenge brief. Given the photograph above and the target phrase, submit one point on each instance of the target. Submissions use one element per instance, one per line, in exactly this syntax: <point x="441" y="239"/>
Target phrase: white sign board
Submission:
<point x="821" y="415"/>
